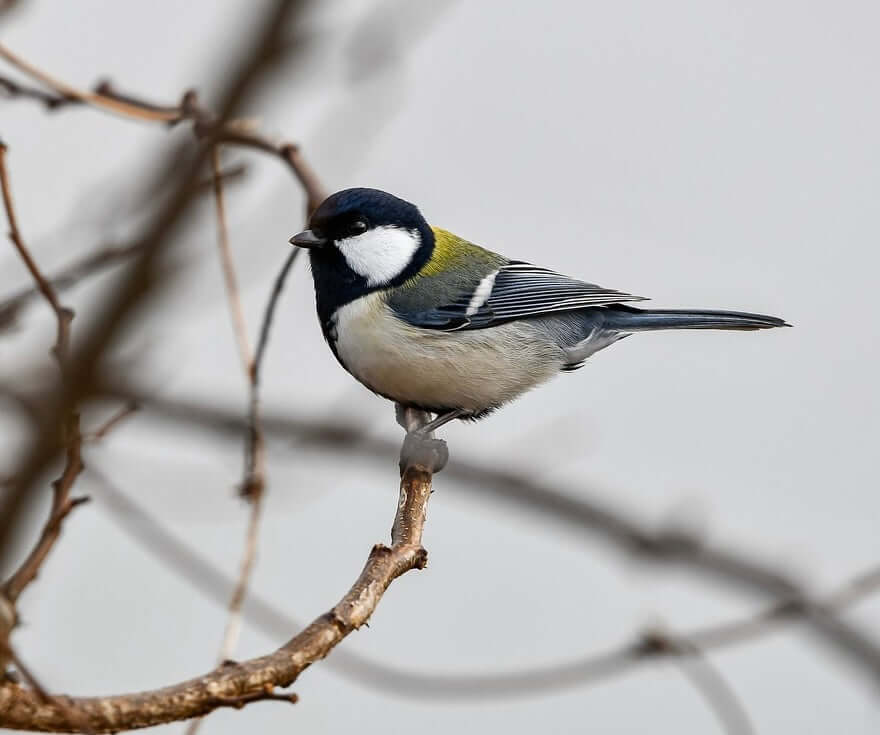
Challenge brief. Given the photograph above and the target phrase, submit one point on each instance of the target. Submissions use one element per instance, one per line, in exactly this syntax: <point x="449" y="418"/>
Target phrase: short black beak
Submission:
<point x="307" y="239"/>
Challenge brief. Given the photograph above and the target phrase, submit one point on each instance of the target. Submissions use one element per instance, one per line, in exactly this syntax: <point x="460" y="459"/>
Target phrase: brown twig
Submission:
<point x="49" y="100"/>
<point x="23" y="709"/>
<point x="63" y="315"/>
<point x="254" y="440"/>
<point x="96" y="99"/>
<point x="62" y="503"/>
<point x="111" y="423"/>
<point x="233" y="297"/>
<point x="62" y="506"/>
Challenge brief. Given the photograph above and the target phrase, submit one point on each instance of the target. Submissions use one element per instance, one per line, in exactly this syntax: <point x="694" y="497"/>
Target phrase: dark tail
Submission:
<point x="629" y="319"/>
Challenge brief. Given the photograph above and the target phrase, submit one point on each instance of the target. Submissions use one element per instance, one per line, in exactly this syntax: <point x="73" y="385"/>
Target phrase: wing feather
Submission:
<point x="519" y="291"/>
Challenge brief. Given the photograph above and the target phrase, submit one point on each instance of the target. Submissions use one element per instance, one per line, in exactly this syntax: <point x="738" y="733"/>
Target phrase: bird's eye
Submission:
<point x="358" y="226"/>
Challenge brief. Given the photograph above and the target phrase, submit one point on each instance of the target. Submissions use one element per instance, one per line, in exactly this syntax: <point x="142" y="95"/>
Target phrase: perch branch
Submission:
<point x="23" y="709"/>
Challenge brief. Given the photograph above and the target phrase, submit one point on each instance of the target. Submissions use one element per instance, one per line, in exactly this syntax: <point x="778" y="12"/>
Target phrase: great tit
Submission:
<point x="434" y="322"/>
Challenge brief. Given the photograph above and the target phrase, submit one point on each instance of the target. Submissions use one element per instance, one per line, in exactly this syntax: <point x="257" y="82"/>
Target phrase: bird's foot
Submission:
<point x="420" y="448"/>
<point x="423" y="451"/>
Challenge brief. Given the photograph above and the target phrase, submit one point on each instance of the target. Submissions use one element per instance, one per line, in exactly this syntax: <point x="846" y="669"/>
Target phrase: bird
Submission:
<point x="433" y="322"/>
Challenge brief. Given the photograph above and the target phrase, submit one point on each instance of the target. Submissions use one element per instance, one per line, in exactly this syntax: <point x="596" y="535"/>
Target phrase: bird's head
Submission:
<point x="366" y="239"/>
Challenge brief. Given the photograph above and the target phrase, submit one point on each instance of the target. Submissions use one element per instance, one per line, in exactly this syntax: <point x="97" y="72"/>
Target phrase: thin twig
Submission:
<point x="63" y="315"/>
<point x="269" y="314"/>
<point x="62" y="503"/>
<point x="111" y="423"/>
<point x="233" y="297"/>
<point x="249" y="558"/>
<point x="49" y="100"/>
<point x="254" y="441"/>
<point x="254" y="490"/>
<point x="103" y="101"/>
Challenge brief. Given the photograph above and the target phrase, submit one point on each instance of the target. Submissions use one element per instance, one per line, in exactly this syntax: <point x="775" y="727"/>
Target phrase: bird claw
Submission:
<point x="422" y="451"/>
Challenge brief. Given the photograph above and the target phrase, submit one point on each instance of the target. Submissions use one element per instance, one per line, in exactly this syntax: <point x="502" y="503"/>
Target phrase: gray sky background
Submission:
<point x="701" y="153"/>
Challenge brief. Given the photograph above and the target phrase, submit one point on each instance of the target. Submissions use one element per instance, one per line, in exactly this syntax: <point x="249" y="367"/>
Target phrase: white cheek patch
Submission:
<point x="380" y="254"/>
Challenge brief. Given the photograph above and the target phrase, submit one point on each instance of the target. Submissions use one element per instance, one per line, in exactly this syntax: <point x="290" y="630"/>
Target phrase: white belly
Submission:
<point x="472" y="370"/>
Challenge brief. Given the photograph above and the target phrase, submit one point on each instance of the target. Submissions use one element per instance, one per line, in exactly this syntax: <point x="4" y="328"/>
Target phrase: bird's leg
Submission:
<point x="420" y="448"/>
<point x="441" y="420"/>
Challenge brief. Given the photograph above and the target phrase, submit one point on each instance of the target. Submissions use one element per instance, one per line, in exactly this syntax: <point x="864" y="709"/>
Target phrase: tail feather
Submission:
<point x="630" y="319"/>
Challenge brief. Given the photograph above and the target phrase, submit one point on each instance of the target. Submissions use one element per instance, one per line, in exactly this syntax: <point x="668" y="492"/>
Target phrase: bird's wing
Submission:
<point x="516" y="290"/>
